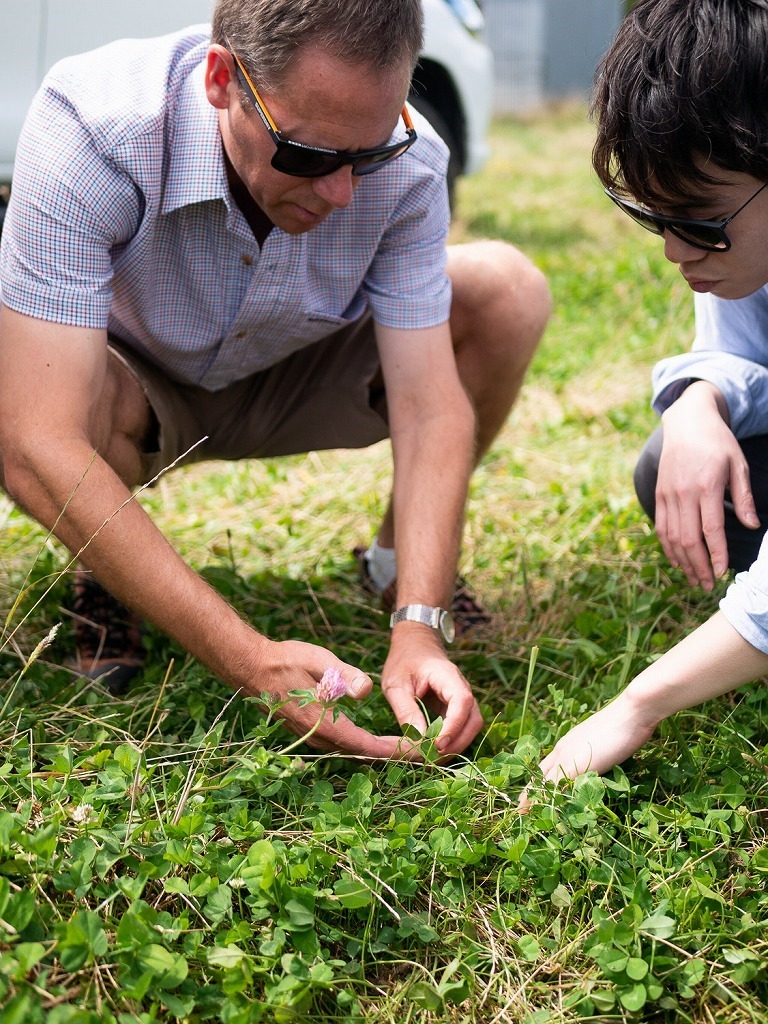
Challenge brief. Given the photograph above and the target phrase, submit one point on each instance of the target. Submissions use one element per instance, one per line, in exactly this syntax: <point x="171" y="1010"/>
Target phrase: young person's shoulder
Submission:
<point x="738" y="325"/>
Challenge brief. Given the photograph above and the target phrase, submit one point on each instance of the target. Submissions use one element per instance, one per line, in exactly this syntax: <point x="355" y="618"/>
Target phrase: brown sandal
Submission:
<point x="108" y="636"/>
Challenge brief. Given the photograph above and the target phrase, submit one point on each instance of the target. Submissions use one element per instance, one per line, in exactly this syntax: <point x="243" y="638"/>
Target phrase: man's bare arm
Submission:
<point x="432" y="426"/>
<point x="55" y="438"/>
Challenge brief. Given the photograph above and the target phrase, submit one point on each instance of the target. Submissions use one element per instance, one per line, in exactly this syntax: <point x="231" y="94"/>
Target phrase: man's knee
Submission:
<point x="499" y="297"/>
<point x="647" y="471"/>
<point x="122" y="422"/>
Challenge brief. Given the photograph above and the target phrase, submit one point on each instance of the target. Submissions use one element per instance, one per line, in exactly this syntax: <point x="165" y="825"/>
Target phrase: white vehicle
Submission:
<point x="453" y="84"/>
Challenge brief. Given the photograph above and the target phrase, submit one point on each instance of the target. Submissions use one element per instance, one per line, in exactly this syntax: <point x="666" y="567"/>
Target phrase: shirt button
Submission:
<point x="247" y="260"/>
<point x="240" y="334"/>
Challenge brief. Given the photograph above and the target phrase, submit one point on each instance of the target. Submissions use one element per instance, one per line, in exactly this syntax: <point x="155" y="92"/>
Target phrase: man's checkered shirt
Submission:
<point x="121" y="218"/>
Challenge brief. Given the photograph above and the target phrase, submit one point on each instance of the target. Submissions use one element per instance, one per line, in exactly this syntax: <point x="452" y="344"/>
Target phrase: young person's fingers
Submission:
<point x="661" y="523"/>
<point x="741" y="495"/>
<point x="695" y="515"/>
<point x="670" y="533"/>
<point x="713" y="526"/>
<point x="701" y="530"/>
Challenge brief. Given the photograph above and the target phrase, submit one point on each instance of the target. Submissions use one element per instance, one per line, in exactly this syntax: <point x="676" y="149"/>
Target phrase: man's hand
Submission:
<point x="699" y="459"/>
<point x="418" y="669"/>
<point x="294" y="665"/>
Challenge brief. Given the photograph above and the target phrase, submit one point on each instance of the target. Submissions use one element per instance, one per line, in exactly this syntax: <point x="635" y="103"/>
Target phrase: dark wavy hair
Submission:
<point x="684" y="81"/>
<point x="379" y="35"/>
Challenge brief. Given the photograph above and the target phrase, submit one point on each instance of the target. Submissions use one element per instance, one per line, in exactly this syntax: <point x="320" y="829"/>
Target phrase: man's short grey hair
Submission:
<point x="379" y="35"/>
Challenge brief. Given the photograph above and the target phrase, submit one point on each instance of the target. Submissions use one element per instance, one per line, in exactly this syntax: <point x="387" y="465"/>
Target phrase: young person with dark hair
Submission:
<point x="681" y="104"/>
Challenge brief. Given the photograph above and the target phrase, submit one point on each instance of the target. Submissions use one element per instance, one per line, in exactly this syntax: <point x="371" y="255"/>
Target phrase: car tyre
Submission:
<point x="438" y="122"/>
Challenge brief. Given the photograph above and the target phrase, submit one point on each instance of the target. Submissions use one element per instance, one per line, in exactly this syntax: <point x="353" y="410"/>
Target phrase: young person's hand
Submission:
<point x="708" y="662"/>
<point x="700" y="457"/>
<point x="603" y="740"/>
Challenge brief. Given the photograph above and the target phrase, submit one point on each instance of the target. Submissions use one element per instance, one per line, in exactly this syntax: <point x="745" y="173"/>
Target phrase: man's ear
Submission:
<point x="218" y="77"/>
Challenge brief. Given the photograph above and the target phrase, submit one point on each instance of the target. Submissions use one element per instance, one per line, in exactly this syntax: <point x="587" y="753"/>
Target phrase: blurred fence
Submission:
<point x="547" y="49"/>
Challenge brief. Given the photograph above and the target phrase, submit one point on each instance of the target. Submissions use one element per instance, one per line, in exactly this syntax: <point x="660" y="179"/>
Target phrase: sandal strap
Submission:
<point x="108" y="636"/>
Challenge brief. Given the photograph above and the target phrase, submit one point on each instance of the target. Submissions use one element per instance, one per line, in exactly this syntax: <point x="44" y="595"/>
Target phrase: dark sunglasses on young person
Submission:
<point x="702" y="234"/>
<point x="304" y="161"/>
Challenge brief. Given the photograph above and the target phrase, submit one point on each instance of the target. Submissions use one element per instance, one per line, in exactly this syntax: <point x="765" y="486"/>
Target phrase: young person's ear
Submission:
<point x="219" y="75"/>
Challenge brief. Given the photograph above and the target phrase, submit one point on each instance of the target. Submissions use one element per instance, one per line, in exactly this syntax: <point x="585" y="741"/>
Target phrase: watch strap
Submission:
<point x="428" y="615"/>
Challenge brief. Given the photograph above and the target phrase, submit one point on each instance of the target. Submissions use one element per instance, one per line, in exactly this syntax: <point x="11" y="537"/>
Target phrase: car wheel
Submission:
<point x="438" y="122"/>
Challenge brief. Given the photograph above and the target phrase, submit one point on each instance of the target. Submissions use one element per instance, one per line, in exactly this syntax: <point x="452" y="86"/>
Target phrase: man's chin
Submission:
<point x="296" y="229"/>
<point x="296" y="220"/>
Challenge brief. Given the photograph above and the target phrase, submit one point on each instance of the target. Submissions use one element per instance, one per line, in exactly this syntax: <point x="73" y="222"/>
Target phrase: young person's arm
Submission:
<point x="712" y="660"/>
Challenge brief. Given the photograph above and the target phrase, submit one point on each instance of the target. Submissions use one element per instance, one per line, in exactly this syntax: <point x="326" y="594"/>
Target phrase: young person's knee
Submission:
<point x="647" y="471"/>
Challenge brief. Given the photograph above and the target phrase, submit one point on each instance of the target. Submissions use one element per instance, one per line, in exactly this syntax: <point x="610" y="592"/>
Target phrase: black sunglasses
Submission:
<point x="304" y="161"/>
<point x="702" y="234"/>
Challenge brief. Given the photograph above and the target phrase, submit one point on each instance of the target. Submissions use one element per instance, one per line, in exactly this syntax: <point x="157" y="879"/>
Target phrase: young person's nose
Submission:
<point x="678" y="251"/>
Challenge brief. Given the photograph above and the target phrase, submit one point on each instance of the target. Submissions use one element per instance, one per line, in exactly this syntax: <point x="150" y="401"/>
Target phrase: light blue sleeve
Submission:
<point x="731" y="352"/>
<point x="745" y="604"/>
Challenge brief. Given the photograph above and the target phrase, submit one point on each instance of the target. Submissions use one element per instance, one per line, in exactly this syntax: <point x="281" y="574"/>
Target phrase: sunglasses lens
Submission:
<point x="645" y="220"/>
<point x="373" y="161"/>
<point x="306" y="162"/>
<point x="697" y="233"/>
<point x="303" y="163"/>
<point x="309" y="163"/>
<point x="700" y="235"/>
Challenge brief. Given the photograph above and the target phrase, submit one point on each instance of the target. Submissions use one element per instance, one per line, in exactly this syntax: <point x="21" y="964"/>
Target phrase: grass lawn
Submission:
<point x="161" y="860"/>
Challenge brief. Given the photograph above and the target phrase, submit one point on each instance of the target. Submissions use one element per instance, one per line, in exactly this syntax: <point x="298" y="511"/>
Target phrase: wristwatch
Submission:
<point x="437" y="618"/>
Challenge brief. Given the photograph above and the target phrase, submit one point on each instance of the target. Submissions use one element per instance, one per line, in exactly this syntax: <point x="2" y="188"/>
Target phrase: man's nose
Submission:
<point x="337" y="188"/>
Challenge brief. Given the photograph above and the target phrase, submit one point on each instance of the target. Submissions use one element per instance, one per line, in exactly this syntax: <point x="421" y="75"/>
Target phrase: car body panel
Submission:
<point x="37" y="33"/>
<point x="472" y="77"/>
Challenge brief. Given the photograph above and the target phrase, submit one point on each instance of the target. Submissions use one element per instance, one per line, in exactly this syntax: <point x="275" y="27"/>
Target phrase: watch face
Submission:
<point x="447" y="627"/>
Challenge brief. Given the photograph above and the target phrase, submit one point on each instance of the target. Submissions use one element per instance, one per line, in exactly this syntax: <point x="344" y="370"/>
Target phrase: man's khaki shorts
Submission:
<point x="327" y="395"/>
